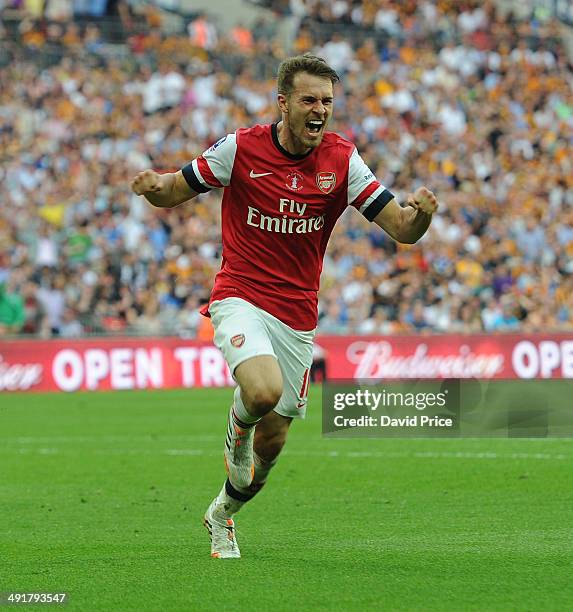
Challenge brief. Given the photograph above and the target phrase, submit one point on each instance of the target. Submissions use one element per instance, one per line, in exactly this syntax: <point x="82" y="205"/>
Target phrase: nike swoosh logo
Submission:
<point x="254" y="174"/>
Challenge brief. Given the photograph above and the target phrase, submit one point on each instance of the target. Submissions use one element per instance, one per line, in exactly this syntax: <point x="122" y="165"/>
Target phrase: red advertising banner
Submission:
<point x="167" y="363"/>
<point x="448" y="356"/>
<point x="110" y="363"/>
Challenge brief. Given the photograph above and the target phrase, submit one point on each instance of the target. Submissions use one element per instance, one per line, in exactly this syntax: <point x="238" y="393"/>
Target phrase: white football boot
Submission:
<point x="222" y="533"/>
<point x="239" y="461"/>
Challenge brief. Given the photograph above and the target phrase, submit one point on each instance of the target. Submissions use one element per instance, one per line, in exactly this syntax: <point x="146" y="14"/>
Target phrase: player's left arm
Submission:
<point x="407" y="224"/>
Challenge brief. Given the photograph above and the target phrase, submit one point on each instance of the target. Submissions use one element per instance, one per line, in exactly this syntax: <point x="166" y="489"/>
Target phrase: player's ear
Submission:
<point x="283" y="103"/>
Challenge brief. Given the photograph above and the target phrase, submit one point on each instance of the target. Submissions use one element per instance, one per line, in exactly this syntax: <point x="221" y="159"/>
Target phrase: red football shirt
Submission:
<point x="278" y="212"/>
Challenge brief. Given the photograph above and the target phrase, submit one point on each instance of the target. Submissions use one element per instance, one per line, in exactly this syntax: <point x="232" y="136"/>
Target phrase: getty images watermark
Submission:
<point x="448" y="408"/>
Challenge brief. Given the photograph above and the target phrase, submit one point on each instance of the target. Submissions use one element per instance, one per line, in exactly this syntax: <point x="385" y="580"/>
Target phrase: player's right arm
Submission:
<point x="163" y="190"/>
<point x="211" y="170"/>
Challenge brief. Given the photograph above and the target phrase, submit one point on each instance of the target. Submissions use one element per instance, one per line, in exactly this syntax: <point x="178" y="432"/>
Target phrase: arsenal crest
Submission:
<point x="326" y="181"/>
<point x="238" y="340"/>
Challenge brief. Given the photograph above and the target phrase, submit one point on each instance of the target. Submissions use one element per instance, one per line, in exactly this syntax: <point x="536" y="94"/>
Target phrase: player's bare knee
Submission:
<point x="264" y="397"/>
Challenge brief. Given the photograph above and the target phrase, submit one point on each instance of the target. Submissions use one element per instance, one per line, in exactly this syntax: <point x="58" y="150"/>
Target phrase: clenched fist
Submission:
<point x="423" y="199"/>
<point x="147" y="181"/>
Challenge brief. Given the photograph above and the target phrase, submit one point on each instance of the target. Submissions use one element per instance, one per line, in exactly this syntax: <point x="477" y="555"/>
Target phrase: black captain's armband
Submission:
<point x="377" y="204"/>
<point x="192" y="180"/>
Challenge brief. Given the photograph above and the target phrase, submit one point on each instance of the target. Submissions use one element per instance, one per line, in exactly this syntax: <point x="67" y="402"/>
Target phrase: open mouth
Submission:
<point x="314" y="126"/>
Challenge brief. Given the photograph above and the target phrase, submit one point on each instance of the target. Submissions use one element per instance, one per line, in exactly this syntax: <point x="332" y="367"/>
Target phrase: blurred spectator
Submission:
<point x="506" y="320"/>
<point x="242" y="37"/>
<point x="93" y="8"/>
<point x="12" y="313"/>
<point x="46" y="248"/>
<point x="188" y="318"/>
<point x="332" y="321"/>
<point x="502" y="280"/>
<point x="531" y="240"/>
<point x="70" y="326"/>
<point x="33" y="313"/>
<point x="79" y="244"/>
<point x="377" y="325"/>
<point x="203" y="33"/>
<point x="416" y="317"/>
<point x="52" y="300"/>
<point x="58" y="10"/>
<point x="148" y="322"/>
<point x="338" y="53"/>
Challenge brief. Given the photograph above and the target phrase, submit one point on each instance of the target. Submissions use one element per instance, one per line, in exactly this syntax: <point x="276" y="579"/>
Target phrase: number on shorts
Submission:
<point x="304" y="388"/>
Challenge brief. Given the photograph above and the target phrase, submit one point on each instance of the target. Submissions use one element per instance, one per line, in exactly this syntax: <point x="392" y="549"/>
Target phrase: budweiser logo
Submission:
<point x="19" y="376"/>
<point x="375" y="360"/>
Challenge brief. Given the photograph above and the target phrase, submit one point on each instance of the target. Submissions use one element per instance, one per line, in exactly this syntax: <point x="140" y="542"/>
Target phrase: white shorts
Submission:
<point x="243" y="331"/>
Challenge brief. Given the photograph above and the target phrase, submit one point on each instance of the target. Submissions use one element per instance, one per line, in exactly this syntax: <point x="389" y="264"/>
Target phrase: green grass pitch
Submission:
<point x="102" y="496"/>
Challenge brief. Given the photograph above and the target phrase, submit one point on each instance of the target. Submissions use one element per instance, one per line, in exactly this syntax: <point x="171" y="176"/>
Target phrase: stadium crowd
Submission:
<point x="474" y="104"/>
